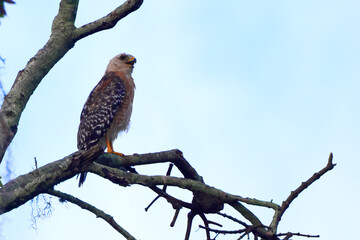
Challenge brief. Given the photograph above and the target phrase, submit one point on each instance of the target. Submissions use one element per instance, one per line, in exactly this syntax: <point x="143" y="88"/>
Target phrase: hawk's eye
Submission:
<point x="122" y="57"/>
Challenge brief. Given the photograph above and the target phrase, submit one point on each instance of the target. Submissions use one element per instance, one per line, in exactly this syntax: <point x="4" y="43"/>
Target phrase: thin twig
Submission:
<point x="152" y="202"/>
<point x="164" y="188"/>
<point x="215" y="223"/>
<point x="99" y="213"/>
<point x="172" y="224"/>
<point x="191" y="216"/>
<point x="233" y="219"/>
<point x="290" y="234"/>
<point x="36" y="163"/>
<point x="223" y="231"/>
<point x="247" y="230"/>
<point x="206" y="223"/>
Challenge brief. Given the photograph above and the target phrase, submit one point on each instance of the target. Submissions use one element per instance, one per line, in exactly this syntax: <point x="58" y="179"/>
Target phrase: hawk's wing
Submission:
<point x="99" y="110"/>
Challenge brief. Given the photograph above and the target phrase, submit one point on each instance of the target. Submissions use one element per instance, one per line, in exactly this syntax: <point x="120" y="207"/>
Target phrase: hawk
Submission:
<point x="108" y="108"/>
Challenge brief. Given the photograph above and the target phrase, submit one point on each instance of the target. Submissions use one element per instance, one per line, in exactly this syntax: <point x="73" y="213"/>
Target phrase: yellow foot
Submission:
<point x="110" y="148"/>
<point x="117" y="153"/>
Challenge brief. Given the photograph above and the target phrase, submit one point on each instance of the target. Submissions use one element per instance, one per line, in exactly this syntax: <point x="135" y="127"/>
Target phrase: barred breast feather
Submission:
<point x="99" y="111"/>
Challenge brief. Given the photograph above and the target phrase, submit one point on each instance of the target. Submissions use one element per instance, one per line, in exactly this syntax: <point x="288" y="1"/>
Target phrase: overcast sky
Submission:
<point x="255" y="93"/>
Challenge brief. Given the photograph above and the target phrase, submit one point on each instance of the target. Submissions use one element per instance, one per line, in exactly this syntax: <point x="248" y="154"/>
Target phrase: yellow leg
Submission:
<point x="110" y="148"/>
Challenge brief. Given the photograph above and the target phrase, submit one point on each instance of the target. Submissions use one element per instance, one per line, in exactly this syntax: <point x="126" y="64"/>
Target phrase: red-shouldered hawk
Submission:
<point x="108" y="108"/>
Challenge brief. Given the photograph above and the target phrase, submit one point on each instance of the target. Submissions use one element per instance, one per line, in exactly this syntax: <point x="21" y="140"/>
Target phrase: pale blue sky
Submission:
<point x="255" y="93"/>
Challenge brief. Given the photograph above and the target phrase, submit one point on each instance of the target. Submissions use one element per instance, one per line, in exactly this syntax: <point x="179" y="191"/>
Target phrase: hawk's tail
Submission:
<point x="82" y="178"/>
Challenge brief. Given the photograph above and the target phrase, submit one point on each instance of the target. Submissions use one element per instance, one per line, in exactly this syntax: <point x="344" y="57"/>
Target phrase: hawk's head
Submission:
<point x="122" y="62"/>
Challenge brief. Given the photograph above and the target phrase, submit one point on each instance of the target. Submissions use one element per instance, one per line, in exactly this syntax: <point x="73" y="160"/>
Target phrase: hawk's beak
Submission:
<point x="131" y="61"/>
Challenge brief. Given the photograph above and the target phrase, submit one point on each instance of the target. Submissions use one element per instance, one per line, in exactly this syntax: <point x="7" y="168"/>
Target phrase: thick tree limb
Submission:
<point x="174" y="156"/>
<point x="98" y="213"/>
<point x="23" y="188"/>
<point x="29" y="78"/>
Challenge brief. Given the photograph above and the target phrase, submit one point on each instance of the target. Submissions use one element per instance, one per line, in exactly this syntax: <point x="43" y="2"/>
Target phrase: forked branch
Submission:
<point x="206" y="199"/>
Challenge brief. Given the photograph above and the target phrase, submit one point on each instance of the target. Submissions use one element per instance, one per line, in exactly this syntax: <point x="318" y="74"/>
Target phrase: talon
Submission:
<point x="117" y="153"/>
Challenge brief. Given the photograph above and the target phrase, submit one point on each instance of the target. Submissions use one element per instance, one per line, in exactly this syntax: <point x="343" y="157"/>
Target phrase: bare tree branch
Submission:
<point x="190" y="218"/>
<point x="29" y="78"/>
<point x="174" y="156"/>
<point x="109" y="21"/>
<point x="246" y="231"/>
<point x="163" y="190"/>
<point x="290" y="234"/>
<point x="246" y="213"/>
<point x="206" y="223"/>
<point x="278" y="214"/>
<point x="233" y="219"/>
<point x="23" y="188"/>
<point x="172" y="224"/>
<point x="98" y="213"/>
<point x="151" y="181"/>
